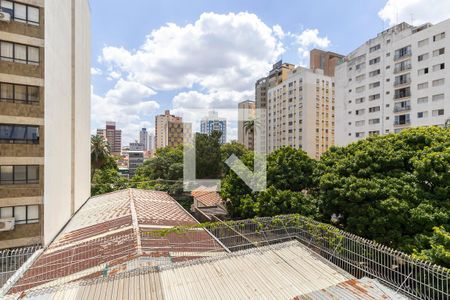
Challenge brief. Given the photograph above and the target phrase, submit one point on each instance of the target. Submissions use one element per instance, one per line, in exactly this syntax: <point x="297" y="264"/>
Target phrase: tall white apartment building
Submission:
<point x="143" y="138"/>
<point x="300" y="112"/>
<point x="399" y="79"/>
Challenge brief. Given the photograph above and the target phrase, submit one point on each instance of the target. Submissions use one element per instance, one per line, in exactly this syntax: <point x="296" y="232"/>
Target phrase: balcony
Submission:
<point x="402" y="69"/>
<point x="402" y="55"/>
<point x="398" y="83"/>
<point x="401" y="109"/>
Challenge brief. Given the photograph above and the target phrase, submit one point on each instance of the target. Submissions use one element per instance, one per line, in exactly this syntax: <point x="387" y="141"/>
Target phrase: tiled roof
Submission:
<point x="116" y="232"/>
<point x="207" y="198"/>
<point x="283" y="271"/>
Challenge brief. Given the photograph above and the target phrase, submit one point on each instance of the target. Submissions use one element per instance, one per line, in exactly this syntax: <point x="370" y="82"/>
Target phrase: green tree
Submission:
<point x="393" y="189"/>
<point x="208" y="155"/>
<point x="439" y="250"/>
<point x="99" y="153"/>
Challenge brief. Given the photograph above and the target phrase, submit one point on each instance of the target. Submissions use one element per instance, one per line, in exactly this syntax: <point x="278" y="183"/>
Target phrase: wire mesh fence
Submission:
<point x="12" y="259"/>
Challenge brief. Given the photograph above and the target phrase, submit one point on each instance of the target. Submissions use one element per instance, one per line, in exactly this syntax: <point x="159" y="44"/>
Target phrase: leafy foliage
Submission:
<point x="107" y="179"/>
<point x="100" y="153"/>
<point x="439" y="251"/>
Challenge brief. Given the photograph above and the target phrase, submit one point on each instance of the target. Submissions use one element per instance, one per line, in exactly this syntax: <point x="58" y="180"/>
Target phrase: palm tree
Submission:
<point x="447" y="124"/>
<point x="249" y="125"/>
<point x="99" y="153"/>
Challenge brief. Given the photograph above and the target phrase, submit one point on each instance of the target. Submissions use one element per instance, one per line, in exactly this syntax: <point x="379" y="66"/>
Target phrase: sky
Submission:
<point x="153" y="55"/>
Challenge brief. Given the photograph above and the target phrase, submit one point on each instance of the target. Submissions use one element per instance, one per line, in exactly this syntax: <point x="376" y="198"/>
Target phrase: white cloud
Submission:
<point x="278" y="31"/>
<point x="127" y="104"/>
<point x="307" y="40"/>
<point x="217" y="52"/>
<point x="420" y="11"/>
<point x="96" y="71"/>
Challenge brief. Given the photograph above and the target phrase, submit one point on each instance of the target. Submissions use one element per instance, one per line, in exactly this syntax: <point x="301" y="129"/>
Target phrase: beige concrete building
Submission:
<point x="114" y="137"/>
<point x="170" y="130"/>
<point x="300" y="112"/>
<point x="44" y="132"/>
<point x="324" y="60"/>
<point x="246" y="112"/>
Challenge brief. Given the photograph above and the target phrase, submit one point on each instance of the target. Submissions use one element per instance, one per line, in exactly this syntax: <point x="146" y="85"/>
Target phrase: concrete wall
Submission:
<point x="67" y="111"/>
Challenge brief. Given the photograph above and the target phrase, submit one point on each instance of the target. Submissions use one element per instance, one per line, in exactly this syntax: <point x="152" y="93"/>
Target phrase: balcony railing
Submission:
<point x="404" y="108"/>
<point x="402" y="82"/>
<point x="402" y="69"/>
<point x="402" y="95"/>
<point x="402" y="56"/>
<point x="402" y="123"/>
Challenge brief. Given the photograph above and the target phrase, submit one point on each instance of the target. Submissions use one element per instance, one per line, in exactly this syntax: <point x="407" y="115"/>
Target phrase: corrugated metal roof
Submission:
<point x="283" y="271"/>
<point x="112" y="233"/>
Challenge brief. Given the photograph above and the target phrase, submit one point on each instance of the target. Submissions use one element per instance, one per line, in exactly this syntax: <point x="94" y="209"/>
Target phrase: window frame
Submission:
<point x="14" y="99"/>
<point x="26" y="61"/>
<point x="28" y="219"/>
<point x="13" y="181"/>
<point x="27" y="19"/>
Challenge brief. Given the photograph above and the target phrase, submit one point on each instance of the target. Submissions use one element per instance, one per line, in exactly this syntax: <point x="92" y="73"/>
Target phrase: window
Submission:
<point x="422" y="114"/>
<point x="374" y="48"/>
<point x="439" y="67"/>
<point x="374" y="109"/>
<point x="437" y="112"/>
<point x="374" y="61"/>
<point x="360" y="89"/>
<point x="359" y="123"/>
<point x="422" y="85"/>
<point x="402" y="120"/>
<point x="360" y="66"/>
<point x="19" y="174"/>
<point x="21" y="12"/>
<point x="374" y="85"/>
<point x="359" y="100"/>
<point x="27" y="214"/>
<point x="19" y="134"/>
<point x="374" y="73"/>
<point x="402" y="106"/>
<point x="402" y="79"/>
<point x="374" y="132"/>
<point x="422" y="71"/>
<point x="374" y="97"/>
<point x="19" y="53"/>
<point x="360" y="77"/>
<point x="374" y="121"/>
<point x="402" y="66"/>
<point x="402" y="93"/>
<point x="439" y="52"/>
<point x="19" y="93"/>
<point x="359" y="134"/>
<point x="439" y="37"/>
<point x="438" y="82"/>
<point x="402" y="52"/>
<point x="360" y="112"/>
<point x="423" y="42"/>
<point x="422" y="100"/>
<point x="438" y="97"/>
<point x="423" y="57"/>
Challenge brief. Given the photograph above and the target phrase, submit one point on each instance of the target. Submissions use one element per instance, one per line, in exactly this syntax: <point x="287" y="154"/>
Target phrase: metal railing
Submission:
<point x="12" y="259"/>
<point x="360" y="257"/>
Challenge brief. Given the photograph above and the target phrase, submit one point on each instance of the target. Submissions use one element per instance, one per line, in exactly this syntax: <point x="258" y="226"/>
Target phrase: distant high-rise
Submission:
<point x="151" y="142"/>
<point x="396" y="80"/>
<point x="246" y="113"/>
<point x="324" y="60"/>
<point x="113" y="136"/>
<point x="143" y="138"/>
<point x="44" y="117"/>
<point x="170" y="130"/>
<point x="213" y="123"/>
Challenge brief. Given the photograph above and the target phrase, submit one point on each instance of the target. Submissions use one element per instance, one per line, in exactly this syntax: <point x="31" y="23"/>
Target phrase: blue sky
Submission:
<point x="213" y="50"/>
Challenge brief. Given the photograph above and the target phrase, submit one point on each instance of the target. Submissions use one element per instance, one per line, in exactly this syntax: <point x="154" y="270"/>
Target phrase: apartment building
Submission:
<point x="213" y="123"/>
<point x="114" y="137"/>
<point x="170" y="131"/>
<point x="324" y="60"/>
<point x="397" y="80"/>
<point x="44" y="117"/>
<point x="300" y="112"/>
<point x="143" y="138"/>
<point x="247" y="112"/>
<point x="135" y="160"/>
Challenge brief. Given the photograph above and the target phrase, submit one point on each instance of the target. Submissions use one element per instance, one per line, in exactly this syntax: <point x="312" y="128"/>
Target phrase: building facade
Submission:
<point x="44" y="117"/>
<point x="170" y="131"/>
<point x="397" y="80"/>
<point x="246" y="113"/>
<point x="113" y="136"/>
<point x="300" y="112"/>
<point x="135" y="160"/>
<point x="324" y="60"/>
<point x="143" y="138"/>
<point x="213" y="123"/>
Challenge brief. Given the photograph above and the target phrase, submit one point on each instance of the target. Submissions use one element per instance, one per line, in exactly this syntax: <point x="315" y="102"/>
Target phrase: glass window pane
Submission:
<point x="5" y="132"/>
<point x="32" y="134"/>
<point x="18" y="133"/>
<point x="33" y="54"/>
<point x="20" y="53"/>
<point x="20" y="92"/>
<point x="6" y="174"/>
<point x="33" y="174"/>
<point x="6" y="91"/>
<point x="6" y="4"/>
<point x="33" y="93"/>
<point x="33" y="14"/>
<point x="20" y="174"/>
<point x="6" y="212"/>
<point x="20" y="214"/>
<point x="6" y="51"/>
<point x="20" y="11"/>
<point x="33" y="214"/>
